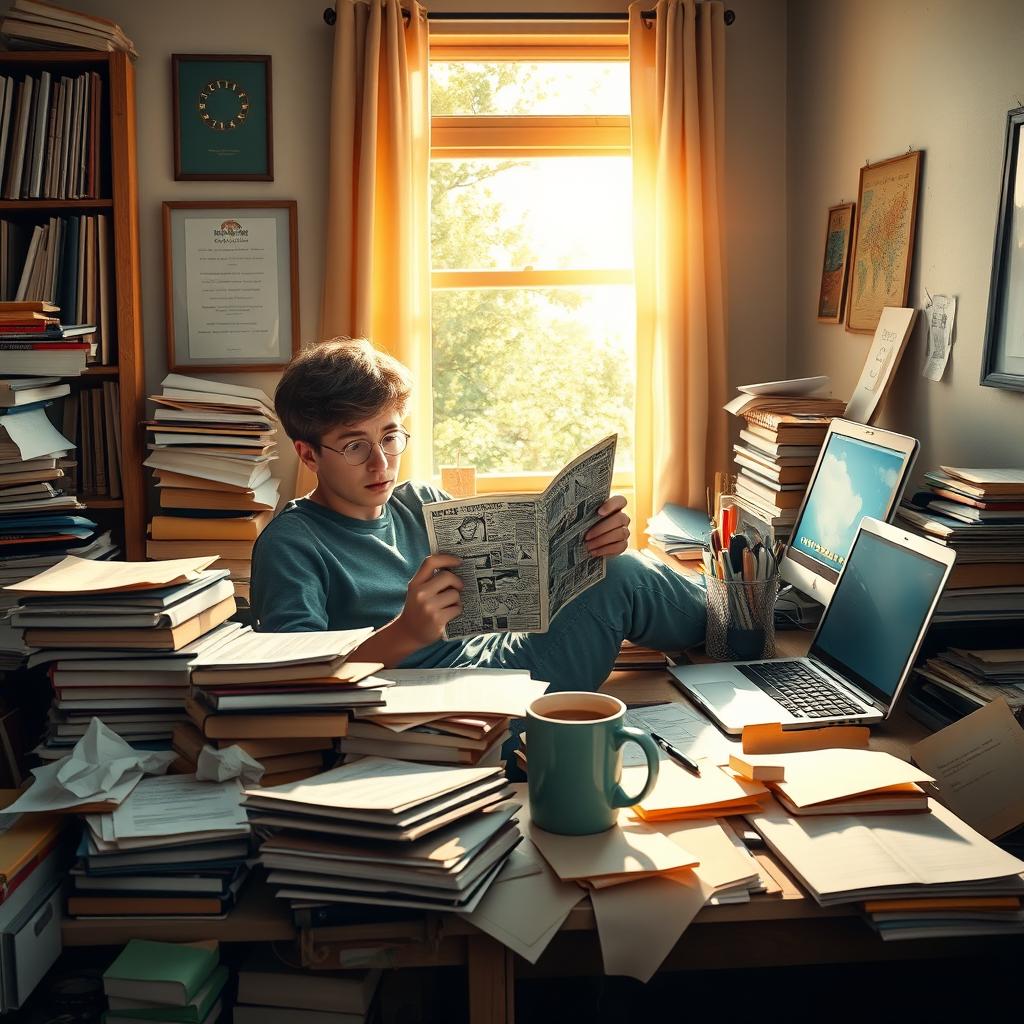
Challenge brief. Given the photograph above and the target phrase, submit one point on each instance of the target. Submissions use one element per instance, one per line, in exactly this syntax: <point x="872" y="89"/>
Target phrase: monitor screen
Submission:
<point x="854" y="479"/>
<point x="882" y="601"/>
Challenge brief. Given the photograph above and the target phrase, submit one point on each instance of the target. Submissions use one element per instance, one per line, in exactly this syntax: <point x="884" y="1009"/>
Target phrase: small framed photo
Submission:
<point x="1002" y="364"/>
<point x="222" y="117"/>
<point x="231" y="284"/>
<point x="838" y="236"/>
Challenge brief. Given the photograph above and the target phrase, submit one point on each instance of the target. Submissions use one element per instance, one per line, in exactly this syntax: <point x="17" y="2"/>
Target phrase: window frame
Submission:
<point x="529" y="136"/>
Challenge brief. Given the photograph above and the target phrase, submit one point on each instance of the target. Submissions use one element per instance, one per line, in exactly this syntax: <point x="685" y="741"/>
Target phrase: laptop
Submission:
<point x="862" y="651"/>
<point x="861" y="471"/>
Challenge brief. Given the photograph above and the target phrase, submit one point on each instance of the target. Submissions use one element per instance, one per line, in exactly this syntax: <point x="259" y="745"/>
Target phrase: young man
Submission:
<point x="354" y="552"/>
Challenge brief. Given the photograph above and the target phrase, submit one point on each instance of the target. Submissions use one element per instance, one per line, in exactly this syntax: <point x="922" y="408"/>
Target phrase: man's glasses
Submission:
<point x="394" y="442"/>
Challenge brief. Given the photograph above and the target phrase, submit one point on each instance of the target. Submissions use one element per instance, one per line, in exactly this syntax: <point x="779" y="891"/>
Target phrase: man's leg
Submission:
<point x="639" y="600"/>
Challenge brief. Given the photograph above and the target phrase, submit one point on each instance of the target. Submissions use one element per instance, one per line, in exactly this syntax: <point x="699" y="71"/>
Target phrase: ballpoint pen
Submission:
<point x="676" y="754"/>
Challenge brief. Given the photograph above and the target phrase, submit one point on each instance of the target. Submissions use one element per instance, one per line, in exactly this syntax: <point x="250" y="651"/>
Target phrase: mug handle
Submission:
<point x="624" y="734"/>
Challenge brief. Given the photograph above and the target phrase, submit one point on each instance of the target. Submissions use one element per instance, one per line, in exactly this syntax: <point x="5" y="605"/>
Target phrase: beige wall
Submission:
<point x="867" y="79"/>
<point x="294" y="34"/>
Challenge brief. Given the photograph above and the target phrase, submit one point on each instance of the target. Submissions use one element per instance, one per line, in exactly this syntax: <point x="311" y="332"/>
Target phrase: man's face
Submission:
<point x="358" y="491"/>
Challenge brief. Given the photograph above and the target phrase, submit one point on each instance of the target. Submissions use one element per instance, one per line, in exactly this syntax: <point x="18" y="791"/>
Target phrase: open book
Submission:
<point x="523" y="556"/>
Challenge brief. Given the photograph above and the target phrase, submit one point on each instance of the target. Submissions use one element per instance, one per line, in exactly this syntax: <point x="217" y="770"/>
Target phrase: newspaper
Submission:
<point x="523" y="556"/>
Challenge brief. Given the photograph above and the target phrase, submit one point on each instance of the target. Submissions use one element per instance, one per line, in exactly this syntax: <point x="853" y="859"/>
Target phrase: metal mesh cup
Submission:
<point x="741" y="619"/>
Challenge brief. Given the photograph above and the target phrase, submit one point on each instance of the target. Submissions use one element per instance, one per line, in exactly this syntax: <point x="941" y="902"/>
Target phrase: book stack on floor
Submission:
<point x="283" y="697"/>
<point x="786" y="423"/>
<point x="392" y="833"/>
<point x="121" y="615"/>
<point x="165" y="981"/>
<point x="175" y="847"/>
<point x="211" y="449"/>
<point x="270" y="992"/>
<point x="980" y="514"/>
<point x="957" y="682"/>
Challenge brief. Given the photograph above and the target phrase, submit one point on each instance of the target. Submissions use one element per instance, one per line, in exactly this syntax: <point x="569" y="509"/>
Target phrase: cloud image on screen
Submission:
<point x="855" y="479"/>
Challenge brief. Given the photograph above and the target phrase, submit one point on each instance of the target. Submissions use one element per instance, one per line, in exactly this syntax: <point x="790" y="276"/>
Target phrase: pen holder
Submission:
<point x="741" y="619"/>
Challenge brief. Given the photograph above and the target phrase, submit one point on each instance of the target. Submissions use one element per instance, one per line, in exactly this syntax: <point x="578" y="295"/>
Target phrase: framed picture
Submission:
<point x="231" y="285"/>
<point x="884" y="241"/>
<point x="1002" y="363"/>
<point x="838" y="236"/>
<point x="223" y="122"/>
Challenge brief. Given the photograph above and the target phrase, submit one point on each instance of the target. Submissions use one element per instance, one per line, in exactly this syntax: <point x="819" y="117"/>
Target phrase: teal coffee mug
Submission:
<point x="574" y="762"/>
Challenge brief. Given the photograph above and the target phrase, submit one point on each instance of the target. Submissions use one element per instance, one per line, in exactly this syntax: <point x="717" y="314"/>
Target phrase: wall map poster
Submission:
<point x="886" y="216"/>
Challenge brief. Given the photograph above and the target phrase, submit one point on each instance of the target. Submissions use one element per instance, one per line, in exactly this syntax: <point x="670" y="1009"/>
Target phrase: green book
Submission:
<point x="164" y="973"/>
<point x="195" y="1012"/>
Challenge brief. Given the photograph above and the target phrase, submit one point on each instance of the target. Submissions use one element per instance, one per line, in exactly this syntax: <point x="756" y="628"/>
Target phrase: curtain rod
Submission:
<point x="330" y="16"/>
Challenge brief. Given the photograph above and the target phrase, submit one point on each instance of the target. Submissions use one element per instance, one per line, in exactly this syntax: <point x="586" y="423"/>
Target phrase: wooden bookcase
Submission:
<point x="126" y="516"/>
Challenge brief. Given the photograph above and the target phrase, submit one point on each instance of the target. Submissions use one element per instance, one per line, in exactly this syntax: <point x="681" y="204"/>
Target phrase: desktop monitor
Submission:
<point x="861" y="471"/>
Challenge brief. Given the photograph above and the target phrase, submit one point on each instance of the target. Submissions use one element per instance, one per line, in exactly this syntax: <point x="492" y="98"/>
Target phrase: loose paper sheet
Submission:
<point x="940" y="315"/>
<point x="257" y="650"/>
<point x="87" y="576"/>
<point x="34" y="435"/>
<point x="460" y="691"/>
<point x="978" y="765"/>
<point x="684" y="728"/>
<point x="233" y="762"/>
<point x="179" y="803"/>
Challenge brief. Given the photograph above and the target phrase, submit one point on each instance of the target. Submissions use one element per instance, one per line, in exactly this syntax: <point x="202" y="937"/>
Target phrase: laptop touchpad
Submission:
<point x="733" y="697"/>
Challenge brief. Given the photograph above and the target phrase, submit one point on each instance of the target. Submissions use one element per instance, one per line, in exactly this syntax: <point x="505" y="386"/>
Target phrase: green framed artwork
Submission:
<point x="223" y="119"/>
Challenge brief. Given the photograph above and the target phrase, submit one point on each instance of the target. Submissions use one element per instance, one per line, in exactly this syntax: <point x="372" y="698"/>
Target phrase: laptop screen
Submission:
<point x="854" y="479"/>
<point x="870" y="628"/>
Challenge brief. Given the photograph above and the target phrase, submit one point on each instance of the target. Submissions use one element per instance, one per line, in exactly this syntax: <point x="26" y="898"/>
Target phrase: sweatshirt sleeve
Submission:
<point x="289" y="584"/>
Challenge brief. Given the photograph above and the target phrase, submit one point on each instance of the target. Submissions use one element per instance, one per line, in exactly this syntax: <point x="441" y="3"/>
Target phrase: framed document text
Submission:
<point x="884" y="242"/>
<point x="231" y="285"/>
<point x="222" y="117"/>
<point x="838" y="235"/>
<point x="1002" y="363"/>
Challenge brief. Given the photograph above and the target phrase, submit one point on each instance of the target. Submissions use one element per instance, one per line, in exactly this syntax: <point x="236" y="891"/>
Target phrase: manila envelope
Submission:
<point x="978" y="764"/>
<point x="711" y="793"/>
<point x="773" y="739"/>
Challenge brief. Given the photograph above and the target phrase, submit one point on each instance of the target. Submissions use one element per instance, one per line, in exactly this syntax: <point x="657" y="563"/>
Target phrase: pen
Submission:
<point x="676" y="755"/>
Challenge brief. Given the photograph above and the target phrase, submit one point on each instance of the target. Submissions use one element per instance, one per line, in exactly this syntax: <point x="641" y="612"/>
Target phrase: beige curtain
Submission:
<point x="677" y="96"/>
<point x="376" y="267"/>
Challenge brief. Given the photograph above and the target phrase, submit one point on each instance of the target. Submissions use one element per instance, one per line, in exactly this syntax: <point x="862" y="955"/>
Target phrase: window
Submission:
<point x="532" y="256"/>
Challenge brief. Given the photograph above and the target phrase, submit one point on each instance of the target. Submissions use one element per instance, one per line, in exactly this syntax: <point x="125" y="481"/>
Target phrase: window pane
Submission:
<point x="523" y="87"/>
<point x="550" y="214"/>
<point x="527" y="378"/>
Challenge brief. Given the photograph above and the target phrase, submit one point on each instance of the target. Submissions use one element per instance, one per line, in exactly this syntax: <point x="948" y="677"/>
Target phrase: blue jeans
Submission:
<point x="638" y="600"/>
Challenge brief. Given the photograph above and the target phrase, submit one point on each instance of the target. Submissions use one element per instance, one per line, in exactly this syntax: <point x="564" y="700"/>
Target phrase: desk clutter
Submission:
<point x="210" y="450"/>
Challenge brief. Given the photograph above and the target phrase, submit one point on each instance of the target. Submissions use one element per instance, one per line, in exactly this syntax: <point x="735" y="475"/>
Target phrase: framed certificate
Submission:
<point x="231" y="285"/>
<point x="222" y="117"/>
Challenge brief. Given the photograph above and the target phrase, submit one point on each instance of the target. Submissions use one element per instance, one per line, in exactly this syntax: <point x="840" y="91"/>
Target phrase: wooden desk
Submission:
<point x="769" y="931"/>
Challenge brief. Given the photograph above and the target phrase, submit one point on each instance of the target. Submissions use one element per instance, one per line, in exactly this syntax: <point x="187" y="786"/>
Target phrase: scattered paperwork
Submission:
<point x="102" y="769"/>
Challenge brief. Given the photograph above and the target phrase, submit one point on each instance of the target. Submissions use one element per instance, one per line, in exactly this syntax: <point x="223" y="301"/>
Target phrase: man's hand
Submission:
<point x="432" y="600"/>
<point x="610" y="534"/>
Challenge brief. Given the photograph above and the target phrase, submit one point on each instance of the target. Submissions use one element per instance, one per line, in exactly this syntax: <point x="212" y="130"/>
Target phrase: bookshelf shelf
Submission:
<point x="117" y="160"/>
<point x="45" y="205"/>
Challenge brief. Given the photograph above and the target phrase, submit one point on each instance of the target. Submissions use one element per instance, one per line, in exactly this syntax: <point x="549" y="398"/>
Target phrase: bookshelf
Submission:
<point x="125" y="516"/>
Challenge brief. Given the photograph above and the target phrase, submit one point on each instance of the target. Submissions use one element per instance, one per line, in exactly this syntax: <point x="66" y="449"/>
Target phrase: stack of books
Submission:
<point x="957" y="682"/>
<point x="682" y="533"/>
<point x="779" y="445"/>
<point x="980" y="514"/>
<point x="269" y="992"/>
<point x="260" y="689"/>
<point x="211" y="447"/>
<point x="175" y="847"/>
<point x="392" y="833"/>
<point x="462" y="739"/>
<point x="123" y="616"/>
<point x="33" y="24"/>
<point x="165" y="981"/>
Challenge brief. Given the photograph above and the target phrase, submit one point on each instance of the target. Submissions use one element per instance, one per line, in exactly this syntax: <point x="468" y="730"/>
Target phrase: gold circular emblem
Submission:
<point x="223" y="105"/>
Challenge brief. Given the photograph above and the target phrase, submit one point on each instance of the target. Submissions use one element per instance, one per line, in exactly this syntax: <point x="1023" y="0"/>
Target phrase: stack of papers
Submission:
<point x="212" y="446"/>
<point x="443" y="716"/>
<point x="264" y="688"/>
<point x="980" y="514"/>
<point x="120" y="636"/>
<point x="387" y="832"/>
<point x="682" y="532"/>
<point x="175" y="847"/>
<point x="837" y="781"/>
<point x="846" y="858"/>
<point x="958" y="682"/>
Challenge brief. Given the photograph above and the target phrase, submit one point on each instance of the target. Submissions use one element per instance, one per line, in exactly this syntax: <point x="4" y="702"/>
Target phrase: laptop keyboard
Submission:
<point x="803" y="693"/>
